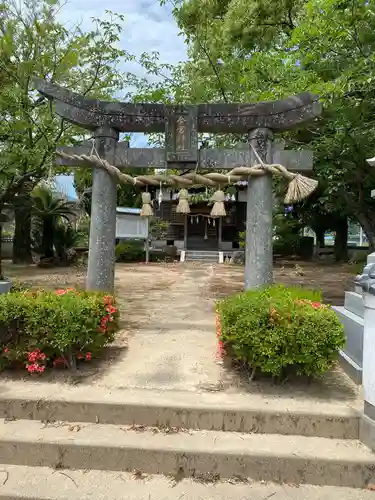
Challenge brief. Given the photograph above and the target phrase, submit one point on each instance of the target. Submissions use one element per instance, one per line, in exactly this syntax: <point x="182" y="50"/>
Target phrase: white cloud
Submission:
<point x="148" y="27"/>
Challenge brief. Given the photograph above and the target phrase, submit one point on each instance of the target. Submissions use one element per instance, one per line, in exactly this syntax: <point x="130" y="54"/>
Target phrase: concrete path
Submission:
<point x="175" y="348"/>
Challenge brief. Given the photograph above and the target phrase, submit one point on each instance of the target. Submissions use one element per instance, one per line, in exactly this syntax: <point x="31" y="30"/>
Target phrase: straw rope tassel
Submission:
<point x="218" y="210"/>
<point x="146" y="210"/>
<point x="183" y="202"/>
<point x="300" y="187"/>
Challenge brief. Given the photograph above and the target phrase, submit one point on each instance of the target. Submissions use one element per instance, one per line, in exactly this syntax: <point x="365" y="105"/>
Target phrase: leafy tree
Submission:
<point x="34" y="43"/>
<point x="250" y="50"/>
<point x="127" y="195"/>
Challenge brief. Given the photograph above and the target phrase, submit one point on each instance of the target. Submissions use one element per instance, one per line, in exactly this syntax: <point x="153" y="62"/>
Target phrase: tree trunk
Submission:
<point x="22" y="235"/>
<point x="368" y="225"/>
<point x="341" y="240"/>
<point x="320" y="241"/>
<point x="47" y="238"/>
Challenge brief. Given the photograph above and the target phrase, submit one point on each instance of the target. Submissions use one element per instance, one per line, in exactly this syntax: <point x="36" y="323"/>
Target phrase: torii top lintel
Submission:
<point x="278" y="115"/>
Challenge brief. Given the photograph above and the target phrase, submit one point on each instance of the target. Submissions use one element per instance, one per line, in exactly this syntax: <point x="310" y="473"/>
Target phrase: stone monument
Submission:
<point x="352" y="316"/>
<point x="367" y="425"/>
<point x="181" y="125"/>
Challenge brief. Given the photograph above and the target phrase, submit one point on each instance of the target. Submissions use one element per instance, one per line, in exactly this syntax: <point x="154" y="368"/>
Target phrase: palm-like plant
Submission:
<point x="65" y="239"/>
<point x="49" y="209"/>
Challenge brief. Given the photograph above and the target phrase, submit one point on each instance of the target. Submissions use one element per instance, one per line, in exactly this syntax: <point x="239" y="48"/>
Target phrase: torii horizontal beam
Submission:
<point x="208" y="159"/>
<point x="216" y="118"/>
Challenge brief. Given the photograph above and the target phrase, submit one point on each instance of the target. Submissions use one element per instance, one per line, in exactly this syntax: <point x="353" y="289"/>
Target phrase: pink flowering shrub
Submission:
<point x="54" y="329"/>
<point x="280" y="331"/>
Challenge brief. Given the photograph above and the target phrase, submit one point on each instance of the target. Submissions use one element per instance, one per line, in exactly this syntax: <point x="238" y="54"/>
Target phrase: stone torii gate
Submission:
<point x="181" y="125"/>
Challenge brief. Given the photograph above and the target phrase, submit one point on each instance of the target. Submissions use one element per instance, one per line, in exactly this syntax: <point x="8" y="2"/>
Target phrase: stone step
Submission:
<point x="202" y="253"/>
<point x="200" y="257"/>
<point x="43" y="483"/>
<point x="260" y="457"/>
<point x="175" y="409"/>
<point x="354" y="303"/>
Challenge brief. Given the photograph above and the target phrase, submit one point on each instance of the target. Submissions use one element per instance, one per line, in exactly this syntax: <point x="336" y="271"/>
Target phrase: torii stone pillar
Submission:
<point x="259" y="211"/>
<point x="101" y="263"/>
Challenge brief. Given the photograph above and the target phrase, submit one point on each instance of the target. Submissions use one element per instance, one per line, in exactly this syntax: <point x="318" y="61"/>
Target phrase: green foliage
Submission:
<point x="158" y="228"/>
<point x="65" y="239"/>
<point x="49" y="205"/>
<point x="286" y="234"/>
<point x="252" y="50"/>
<point x="34" y="43"/>
<point x="206" y="195"/>
<point x="280" y="330"/>
<point x="244" y="24"/>
<point x="49" y="210"/>
<point x="39" y="329"/>
<point x="127" y="194"/>
<point x="130" y="251"/>
<point x="242" y="239"/>
<point x="19" y="286"/>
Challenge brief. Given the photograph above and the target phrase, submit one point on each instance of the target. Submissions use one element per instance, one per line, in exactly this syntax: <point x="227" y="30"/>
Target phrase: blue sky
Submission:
<point x="148" y="27"/>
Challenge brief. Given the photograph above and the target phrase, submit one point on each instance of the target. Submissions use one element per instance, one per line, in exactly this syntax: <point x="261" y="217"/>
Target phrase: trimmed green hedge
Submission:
<point x="281" y="330"/>
<point x="130" y="251"/>
<point x="40" y="329"/>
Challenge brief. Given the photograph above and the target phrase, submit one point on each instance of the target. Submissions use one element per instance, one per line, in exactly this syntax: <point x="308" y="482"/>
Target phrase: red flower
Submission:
<point x="220" y="344"/>
<point x="80" y="355"/>
<point x="316" y="305"/>
<point x="6" y="350"/>
<point x="88" y="356"/>
<point x="111" y="309"/>
<point x="36" y="356"/>
<point x="60" y="292"/>
<point x="220" y="349"/>
<point x="35" y="368"/>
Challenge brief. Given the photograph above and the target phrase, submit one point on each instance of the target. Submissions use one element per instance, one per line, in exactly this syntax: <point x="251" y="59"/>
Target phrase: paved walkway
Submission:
<point x="175" y="345"/>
